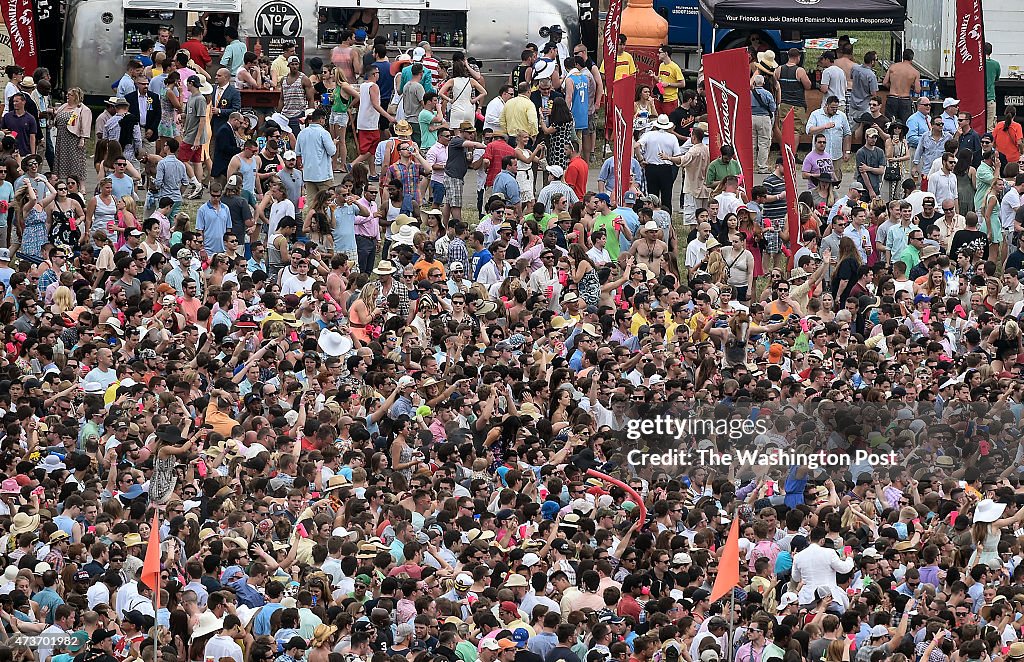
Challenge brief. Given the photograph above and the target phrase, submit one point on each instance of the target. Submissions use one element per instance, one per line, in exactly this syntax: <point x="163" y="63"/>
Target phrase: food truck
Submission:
<point x="102" y="36"/>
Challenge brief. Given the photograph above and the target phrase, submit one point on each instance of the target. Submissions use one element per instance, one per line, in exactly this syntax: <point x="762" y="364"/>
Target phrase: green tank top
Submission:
<point x="339" y="102"/>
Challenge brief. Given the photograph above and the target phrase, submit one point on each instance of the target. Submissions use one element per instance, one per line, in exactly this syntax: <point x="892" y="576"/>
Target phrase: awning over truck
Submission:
<point x="435" y="5"/>
<point x="806" y="15"/>
<point x="201" y="6"/>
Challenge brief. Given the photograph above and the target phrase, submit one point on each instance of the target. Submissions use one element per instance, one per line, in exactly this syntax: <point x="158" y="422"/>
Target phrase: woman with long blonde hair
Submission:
<point x="838" y="651"/>
<point x="364" y="311"/>
<point x="127" y="219"/>
<point x="63" y="300"/>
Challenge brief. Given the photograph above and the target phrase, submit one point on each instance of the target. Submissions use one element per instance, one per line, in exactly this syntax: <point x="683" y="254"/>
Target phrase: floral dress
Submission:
<point x="70" y="158"/>
<point x="590" y="287"/>
<point x="899" y="150"/>
<point x="168" y="116"/>
<point x="65" y="229"/>
<point x="164" y="479"/>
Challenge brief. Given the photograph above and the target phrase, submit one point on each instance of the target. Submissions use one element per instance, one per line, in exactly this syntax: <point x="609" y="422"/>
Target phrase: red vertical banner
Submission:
<point x="969" y="72"/>
<point x="609" y="41"/>
<point x="789" y="165"/>
<point x="20" y="19"/>
<point x="647" y="63"/>
<point x="622" y="133"/>
<point x="727" y="88"/>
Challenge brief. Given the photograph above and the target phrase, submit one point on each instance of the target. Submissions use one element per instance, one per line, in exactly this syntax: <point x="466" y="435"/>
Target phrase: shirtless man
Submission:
<point x="650" y="250"/>
<point x="846" y="62"/>
<point x="338" y="277"/>
<point x="902" y="79"/>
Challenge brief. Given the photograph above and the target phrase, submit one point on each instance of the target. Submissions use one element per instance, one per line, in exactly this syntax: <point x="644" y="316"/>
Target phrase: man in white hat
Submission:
<point x="649" y="250"/>
<point x="556" y="185"/>
<point x="5" y="259"/>
<point x="654" y="151"/>
<point x="950" y="111"/>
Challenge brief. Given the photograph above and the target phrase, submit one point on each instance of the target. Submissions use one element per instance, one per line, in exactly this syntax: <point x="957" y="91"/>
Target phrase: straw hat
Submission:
<point x="24" y="523"/>
<point x="663" y="123"/>
<point x="400" y="222"/>
<point x="321" y="634"/>
<point x="766" y="62"/>
<point x="335" y="483"/>
<point x="384" y="268"/>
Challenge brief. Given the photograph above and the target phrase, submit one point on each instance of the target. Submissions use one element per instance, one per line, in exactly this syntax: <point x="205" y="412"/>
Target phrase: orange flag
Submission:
<point x="729" y="563"/>
<point x="151" y="566"/>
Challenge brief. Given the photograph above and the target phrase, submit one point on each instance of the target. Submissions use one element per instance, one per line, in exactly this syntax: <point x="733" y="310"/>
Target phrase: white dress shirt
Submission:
<point x="817" y="566"/>
<point x="221" y="646"/>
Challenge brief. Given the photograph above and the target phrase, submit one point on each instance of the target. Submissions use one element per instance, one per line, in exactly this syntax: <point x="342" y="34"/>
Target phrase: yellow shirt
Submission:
<point x="519" y="113"/>
<point x="624" y="66"/>
<point x="638" y="321"/>
<point x="279" y="67"/>
<point x="670" y="73"/>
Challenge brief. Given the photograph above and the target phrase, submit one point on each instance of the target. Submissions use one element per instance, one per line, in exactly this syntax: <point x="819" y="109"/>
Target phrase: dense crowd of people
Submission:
<point x="387" y="409"/>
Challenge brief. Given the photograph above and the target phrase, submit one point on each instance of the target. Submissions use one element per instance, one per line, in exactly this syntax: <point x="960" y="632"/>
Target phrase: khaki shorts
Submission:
<point x="312" y="188"/>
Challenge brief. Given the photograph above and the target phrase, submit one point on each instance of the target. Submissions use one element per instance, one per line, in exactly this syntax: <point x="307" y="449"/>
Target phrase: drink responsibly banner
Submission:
<point x="969" y="72"/>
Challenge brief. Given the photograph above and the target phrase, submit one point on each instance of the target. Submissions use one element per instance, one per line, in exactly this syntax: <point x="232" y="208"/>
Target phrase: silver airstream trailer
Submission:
<point x="101" y="36"/>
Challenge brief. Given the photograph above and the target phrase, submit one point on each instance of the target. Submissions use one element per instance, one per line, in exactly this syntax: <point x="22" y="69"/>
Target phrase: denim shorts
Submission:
<point x="436" y="193"/>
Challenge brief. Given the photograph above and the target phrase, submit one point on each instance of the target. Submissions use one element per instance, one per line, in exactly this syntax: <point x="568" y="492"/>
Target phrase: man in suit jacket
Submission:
<point x="226" y="100"/>
<point x="225" y="146"/>
<point x="148" y="111"/>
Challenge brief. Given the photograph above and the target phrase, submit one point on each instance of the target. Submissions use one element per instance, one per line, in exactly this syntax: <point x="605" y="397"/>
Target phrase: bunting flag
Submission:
<point x="969" y="72"/>
<point x="629" y="490"/>
<point x="622" y="134"/>
<point x="789" y="165"/>
<point x="151" y="565"/>
<point x="729" y="563"/>
<point x="727" y="89"/>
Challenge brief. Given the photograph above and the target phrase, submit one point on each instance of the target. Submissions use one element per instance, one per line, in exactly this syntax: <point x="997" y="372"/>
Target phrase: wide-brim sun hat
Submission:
<point x="988" y="511"/>
<point x="208" y="624"/>
<point x="333" y="343"/>
<point x="405" y="237"/>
